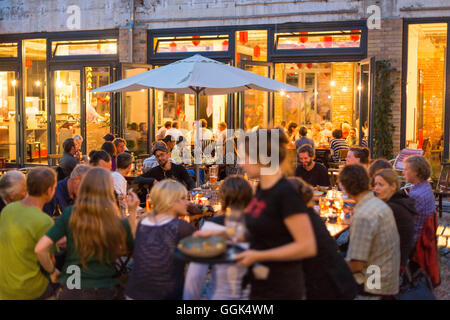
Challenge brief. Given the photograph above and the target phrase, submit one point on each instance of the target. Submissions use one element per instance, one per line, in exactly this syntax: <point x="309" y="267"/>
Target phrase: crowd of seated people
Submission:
<point x="80" y="215"/>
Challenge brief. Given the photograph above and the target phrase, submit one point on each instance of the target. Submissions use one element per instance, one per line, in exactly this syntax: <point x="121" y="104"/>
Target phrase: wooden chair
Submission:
<point x="342" y="155"/>
<point x="443" y="185"/>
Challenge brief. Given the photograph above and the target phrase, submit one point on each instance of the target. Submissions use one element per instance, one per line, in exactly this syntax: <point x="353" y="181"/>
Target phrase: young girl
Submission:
<point x="226" y="279"/>
<point x="156" y="273"/>
<point x="96" y="237"/>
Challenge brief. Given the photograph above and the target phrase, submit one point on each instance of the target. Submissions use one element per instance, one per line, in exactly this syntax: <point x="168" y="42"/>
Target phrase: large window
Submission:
<point x="8" y="50"/>
<point x="35" y="96"/>
<point x="183" y="44"/>
<point x="425" y="89"/>
<point x="84" y="47"/>
<point x="330" y="95"/>
<point x="136" y="115"/>
<point x="181" y="108"/>
<point x="8" y="85"/>
<point x="318" y="40"/>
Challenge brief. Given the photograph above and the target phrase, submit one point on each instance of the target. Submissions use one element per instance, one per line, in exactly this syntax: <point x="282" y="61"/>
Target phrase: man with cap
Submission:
<point x="166" y="169"/>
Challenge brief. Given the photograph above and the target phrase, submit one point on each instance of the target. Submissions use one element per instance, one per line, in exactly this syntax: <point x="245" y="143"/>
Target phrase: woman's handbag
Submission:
<point x="416" y="284"/>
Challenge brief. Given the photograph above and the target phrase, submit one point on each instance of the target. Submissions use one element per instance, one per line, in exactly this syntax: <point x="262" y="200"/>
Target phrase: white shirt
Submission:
<point x="175" y="133"/>
<point x="120" y="183"/>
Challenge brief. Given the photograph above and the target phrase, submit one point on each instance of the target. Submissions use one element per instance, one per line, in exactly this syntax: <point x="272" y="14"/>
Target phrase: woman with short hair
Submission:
<point x="386" y="186"/>
<point x="417" y="172"/>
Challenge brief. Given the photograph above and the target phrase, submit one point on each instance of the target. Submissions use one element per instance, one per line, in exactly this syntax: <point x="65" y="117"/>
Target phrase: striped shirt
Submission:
<point x="374" y="239"/>
<point x="335" y="145"/>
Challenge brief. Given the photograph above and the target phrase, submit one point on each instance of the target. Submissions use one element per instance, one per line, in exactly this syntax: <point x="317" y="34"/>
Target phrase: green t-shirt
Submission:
<point x="21" y="227"/>
<point x="97" y="274"/>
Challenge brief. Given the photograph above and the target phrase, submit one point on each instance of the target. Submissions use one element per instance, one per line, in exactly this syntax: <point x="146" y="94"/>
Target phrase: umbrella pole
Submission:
<point x="197" y="116"/>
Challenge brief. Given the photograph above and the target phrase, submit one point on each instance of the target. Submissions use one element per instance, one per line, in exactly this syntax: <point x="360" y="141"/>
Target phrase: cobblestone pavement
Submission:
<point x="442" y="292"/>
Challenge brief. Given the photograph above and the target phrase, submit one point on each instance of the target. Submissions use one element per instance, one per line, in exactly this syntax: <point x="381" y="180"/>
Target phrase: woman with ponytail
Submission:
<point x="156" y="273"/>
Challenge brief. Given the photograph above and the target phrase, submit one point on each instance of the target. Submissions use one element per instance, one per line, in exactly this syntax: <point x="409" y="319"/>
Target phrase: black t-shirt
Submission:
<point x="317" y="176"/>
<point x="176" y="172"/>
<point x="265" y="223"/>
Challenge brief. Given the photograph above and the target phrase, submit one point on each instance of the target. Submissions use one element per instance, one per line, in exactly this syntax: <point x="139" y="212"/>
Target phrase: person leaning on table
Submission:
<point x="374" y="240"/>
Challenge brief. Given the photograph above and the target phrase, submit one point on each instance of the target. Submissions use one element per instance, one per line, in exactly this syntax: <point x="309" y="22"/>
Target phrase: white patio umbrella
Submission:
<point x="198" y="75"/>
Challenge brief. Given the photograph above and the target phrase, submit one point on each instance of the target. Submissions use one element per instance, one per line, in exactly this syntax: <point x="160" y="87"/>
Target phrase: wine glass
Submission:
<point x="235" y="226"/>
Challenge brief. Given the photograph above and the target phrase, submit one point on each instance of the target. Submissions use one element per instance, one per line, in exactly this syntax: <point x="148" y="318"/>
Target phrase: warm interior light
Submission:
<point x="344" y="89"/>
<point x="142" y="90"/>
<point x="13" y="83"/>
<point x="359" y="88"/>
<point x="38" y="83"/>
<point x="59" y="84"/>
<point x="329" y="97"/>
<point x="332" y="83"/>
<point x="282" y="92"/>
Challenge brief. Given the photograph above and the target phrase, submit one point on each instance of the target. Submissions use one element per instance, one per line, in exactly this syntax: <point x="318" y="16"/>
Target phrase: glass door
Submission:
<point x="97" y="106"/>
<point x="8" y="116"/>
<point x="256" y="106"/>
<point x="365" y="102"/>
<point x="134" y="113"/>
<point x="67" y="106"/>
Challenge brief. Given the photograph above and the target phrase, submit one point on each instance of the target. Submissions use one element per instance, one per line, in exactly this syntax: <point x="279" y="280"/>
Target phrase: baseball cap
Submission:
<point x="161" y="146"/>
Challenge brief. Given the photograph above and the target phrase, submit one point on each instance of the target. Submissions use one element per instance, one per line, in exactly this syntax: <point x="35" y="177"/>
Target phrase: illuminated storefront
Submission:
<point x="45" y="97"/>
<point x="426" y="89"/>
<point x="326" y="60"/>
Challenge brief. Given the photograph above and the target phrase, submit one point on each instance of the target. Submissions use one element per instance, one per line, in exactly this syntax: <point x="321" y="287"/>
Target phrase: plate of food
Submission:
<point x="209" y="250"/>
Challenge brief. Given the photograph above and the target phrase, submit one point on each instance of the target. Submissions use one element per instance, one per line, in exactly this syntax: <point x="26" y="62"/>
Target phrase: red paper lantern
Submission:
<point x="257" y="51"/>
<point x="299" y="65"/>
<point x="225" y="45"/>
<point x="309" y="65"/>
<point x="303" y="39"/>
<point x="28" y="63"/>
<point x="328" y="41"/>
<point x="291" y="73"/>
<point x="354" y="37"/>
<point x="243" y="37"/>
<point x="326" y="74"/>
<point x="173" y="47"/>
<point x="238" y="57"/>
<point x="196" y="42"/>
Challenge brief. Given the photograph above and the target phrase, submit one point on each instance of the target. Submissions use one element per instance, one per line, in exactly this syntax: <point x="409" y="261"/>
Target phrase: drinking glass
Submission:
<point x="213" y="174"/>
<point x="148" y="202"/>
<point x="235" y="226"/>
<point x="123" y="205"/>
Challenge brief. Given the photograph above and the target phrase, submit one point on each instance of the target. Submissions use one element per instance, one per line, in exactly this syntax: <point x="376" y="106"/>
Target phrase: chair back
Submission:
<point x="402" y="155"/>
<point x="444" y="178"/>
<point x="342" y="154"/>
